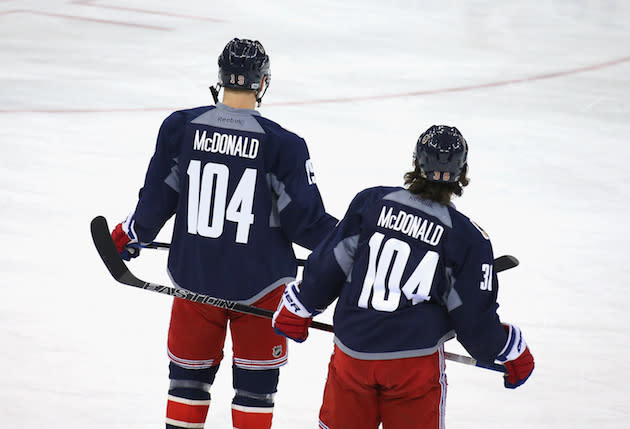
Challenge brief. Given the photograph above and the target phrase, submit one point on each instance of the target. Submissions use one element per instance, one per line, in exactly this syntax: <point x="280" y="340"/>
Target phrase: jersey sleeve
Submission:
<point x="300" y="207"/>
<point x="328" y="266"/>
<point x="472" y="303"/>
<point x="159" y="195"/>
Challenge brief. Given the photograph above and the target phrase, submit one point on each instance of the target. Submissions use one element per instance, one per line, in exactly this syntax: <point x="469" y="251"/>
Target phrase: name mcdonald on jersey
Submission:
<point x="226" y="144"/>
<point x="412" y="225"/>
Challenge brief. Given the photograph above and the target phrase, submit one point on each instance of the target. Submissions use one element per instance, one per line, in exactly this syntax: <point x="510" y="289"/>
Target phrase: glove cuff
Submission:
<point x="291" y="301"/>
<point x="129" y="226"/>
<point x="514" y="346"/>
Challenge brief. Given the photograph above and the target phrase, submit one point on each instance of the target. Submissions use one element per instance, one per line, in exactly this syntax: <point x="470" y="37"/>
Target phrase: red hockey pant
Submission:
<point x="400" y="393"/>
<point x="195" y="342"/>
<point x="197" y="334"/>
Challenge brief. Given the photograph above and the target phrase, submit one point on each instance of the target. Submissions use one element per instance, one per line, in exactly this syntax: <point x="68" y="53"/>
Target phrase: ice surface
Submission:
<point x="539" y="89"/>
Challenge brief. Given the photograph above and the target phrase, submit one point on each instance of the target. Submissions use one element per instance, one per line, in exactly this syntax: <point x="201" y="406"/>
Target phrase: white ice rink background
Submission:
<point x="538" y="88"/>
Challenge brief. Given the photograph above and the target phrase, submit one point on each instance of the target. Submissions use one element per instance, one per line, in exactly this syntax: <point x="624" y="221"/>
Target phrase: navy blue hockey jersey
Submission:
<point x="243" y="189"/>
<point x="409" y="274"/>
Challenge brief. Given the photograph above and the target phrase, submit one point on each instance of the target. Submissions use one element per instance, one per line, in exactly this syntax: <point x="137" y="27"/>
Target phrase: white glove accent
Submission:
<point x="514" y="346"/>
<point x="129" y="226"/>
<point x="291" y="301"/>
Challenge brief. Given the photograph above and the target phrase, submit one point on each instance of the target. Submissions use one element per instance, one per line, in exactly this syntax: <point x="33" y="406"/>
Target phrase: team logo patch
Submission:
<point x="277" y="351"/>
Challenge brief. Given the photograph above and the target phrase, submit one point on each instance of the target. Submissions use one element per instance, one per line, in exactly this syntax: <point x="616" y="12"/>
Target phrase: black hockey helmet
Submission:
<point x="441" y="153"/>
<point x="243" y="64"/>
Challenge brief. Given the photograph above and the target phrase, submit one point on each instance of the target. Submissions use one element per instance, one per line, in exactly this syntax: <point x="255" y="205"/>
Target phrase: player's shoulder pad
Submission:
<point x="370" y="195"/>
<point x="375" y="193"/>
<point x="174" y="125"/>
<point x="185" y="115"/>
<point x="484" y="234"/>
<point x="467" y="226"/>
<point x="276" y="130"/>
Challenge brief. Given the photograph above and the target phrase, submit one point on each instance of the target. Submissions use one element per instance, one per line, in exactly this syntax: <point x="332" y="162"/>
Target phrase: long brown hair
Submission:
<point x="435" y="191"/>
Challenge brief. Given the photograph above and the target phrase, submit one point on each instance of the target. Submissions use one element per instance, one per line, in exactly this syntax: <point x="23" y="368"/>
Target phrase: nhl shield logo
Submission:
<point x="277" y="351"/>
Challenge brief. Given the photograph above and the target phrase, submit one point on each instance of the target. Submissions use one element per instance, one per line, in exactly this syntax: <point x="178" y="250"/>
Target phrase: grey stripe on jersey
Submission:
<point x="452" y="298"/>
<point x="232" y="119"/>
<point x="172" y="179"/>
<point x="248" y="301"/>
<point x="394" y="355"/>
<point x="281" y="199"/>
<point x="429" y="207"/>
<point x="265" y="291"/>
<point x="344" y="253"/>
<point x="274" y="216"/>
<point x="279" y="189"/>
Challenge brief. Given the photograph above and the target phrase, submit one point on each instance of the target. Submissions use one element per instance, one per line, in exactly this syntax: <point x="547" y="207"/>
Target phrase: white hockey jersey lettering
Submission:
<point x="226" y="144"/>
<point x="411" y="225"/>
<point x="201" y="142"/>
<point x="384" y="220"/>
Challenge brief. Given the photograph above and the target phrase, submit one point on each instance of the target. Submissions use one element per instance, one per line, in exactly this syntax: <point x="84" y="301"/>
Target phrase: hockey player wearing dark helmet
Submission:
<point x="244" y="66"/>
<point x="440" y="161"/>
<point x="409" y="272"/>
<point x="242" y="190"/>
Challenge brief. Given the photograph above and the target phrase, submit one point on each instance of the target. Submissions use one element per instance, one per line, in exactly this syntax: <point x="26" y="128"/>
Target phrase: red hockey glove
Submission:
<point x="292" y="319"/>
<point x="516" y="357"/>
<point x="125" y="239"/>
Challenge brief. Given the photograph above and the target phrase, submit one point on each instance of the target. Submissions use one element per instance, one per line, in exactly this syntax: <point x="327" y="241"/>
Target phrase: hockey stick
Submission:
<point x="119" y="270"/>
<point x="166" y="246"/>
<point x="501" y="263"/>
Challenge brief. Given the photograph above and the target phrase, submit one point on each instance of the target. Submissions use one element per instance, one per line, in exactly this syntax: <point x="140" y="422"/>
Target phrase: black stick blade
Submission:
<point x="109" y="254"/>
<point x="505" y="262"/>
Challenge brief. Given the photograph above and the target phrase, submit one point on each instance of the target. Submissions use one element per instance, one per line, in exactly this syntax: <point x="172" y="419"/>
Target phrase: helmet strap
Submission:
<point x="261" y="92"/>
<point x="215" y="92"/>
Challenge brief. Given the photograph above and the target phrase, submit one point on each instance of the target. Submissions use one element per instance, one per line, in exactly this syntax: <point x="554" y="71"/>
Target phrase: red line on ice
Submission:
<point x="84" y="18"/>
<point x="458" y="88"/>
<point x="349" y="99"/>
<point x="147" y="11"/>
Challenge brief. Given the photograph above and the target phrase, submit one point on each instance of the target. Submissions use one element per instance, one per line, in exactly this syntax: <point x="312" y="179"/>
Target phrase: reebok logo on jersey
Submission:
<point x="231" y="121"/>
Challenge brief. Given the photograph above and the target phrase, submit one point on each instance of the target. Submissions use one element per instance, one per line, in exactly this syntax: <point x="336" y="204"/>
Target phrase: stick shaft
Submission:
<point x="121" y="273"/>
